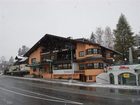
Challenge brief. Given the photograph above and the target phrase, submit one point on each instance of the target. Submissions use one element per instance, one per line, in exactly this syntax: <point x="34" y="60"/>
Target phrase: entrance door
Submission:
<point x="111" y="76"/>
<point x="139" y="79"/>
<point x="127" y="79"/>
<point x="82" y="78"/>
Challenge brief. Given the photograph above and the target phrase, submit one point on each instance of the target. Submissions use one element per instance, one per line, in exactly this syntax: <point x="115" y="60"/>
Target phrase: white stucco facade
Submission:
<point x="120" y="74"/>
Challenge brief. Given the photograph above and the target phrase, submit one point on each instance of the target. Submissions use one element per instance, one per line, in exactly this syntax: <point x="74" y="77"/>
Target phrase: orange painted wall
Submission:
<point x="66" y="76"/>
<point x="89" y="72"/>
<point x="84" y="47"/>
<point x="35" y="54"/>
<point x="80" y="47"/>
<point x="34" y="72"/>
<point x="94" y="72"/>
<point x="47" y="75"/>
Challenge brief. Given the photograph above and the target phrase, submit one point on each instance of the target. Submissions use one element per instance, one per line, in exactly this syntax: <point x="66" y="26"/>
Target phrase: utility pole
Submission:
<point x="123" y="44"/>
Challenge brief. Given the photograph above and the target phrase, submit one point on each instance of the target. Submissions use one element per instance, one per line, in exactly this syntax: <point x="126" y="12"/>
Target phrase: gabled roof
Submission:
<point x="50" y="40"/>
<point x="111" y="50"/>
<point x="20" y="60"/>
<point x="46" y="39"/>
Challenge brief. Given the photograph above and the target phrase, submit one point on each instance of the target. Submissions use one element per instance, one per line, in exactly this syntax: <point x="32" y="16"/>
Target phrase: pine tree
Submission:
<point x="123" y="37"/>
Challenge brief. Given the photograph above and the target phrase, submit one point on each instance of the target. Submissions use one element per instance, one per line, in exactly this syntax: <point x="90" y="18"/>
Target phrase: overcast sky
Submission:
<point x="24" y="22"/>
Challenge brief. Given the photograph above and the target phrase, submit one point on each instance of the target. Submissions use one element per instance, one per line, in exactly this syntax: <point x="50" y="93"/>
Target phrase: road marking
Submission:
<point x="60" y="101"/>
<point x="42" y="94"/>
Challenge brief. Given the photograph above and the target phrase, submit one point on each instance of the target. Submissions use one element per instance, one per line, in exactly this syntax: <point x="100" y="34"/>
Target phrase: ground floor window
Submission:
<point x="62" y="66"/>
<point x="90" y="77"/>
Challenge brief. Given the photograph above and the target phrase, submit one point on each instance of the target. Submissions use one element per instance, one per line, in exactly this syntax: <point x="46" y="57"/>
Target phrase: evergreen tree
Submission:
<point x="92" y="38"/>
<point x="123" y="37"/>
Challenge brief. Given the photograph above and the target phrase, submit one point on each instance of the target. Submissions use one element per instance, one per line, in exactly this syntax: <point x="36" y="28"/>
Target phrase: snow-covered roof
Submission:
<point x="21" y="58"/>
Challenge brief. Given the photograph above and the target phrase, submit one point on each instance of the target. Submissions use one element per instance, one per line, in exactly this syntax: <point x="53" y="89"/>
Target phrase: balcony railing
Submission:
<point x="80" y="71"/>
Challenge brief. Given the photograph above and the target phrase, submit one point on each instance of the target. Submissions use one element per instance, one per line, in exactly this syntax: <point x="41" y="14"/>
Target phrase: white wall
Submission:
<point x="103" y="78"/>
<point x="67" y="71"/>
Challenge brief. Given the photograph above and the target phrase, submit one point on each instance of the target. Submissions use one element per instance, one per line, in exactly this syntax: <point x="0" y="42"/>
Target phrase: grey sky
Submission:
<point x="24" y="22"/>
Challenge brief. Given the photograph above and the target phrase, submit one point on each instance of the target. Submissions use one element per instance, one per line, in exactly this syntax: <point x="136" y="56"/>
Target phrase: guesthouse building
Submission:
<point x="58" y="57"/>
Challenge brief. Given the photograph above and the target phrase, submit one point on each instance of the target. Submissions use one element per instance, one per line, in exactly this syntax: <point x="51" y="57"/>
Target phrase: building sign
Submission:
<point x="70" y="71"/>
<point x="123" y="67"/>
<point x="126" y="75"/>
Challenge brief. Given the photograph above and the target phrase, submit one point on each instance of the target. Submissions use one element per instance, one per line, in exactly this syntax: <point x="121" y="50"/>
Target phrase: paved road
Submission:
<point x="26" y="92"/>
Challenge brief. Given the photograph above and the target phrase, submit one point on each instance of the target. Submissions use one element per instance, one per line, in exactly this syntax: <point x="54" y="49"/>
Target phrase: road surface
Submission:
<point x="27" y="92"/>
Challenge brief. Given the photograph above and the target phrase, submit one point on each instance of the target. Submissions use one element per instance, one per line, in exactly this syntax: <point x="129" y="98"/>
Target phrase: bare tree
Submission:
<point x="11" y="60"/>
<point x="2" y="59"/>
<point x="3" y="63"/>
<point x="19" y="52"/>
<point x="99" y="35"/>
<point x="108" y="38"/>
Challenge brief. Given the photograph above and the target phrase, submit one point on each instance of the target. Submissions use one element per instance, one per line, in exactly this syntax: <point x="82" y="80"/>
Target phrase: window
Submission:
<point x="62" y="66"/>
<point x="101" y="65"/>
<point x="52" y="57"/>
<point x="99" y="51"/>
<point x="90" y="77"/>
<point x="55" y="67"/>
<point x="108" y="55"/>
<point x="81" y="66"/>
<point x="90" y="66"/>
<point x="33" y="60"/>
<point x="65" y="66"/>
<point x="89" y="51"/>
<point x="96" y="65"/>
<point x="69" y="66"/>
<point x="95" y="51"/>
<point x="81" y="53"/>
